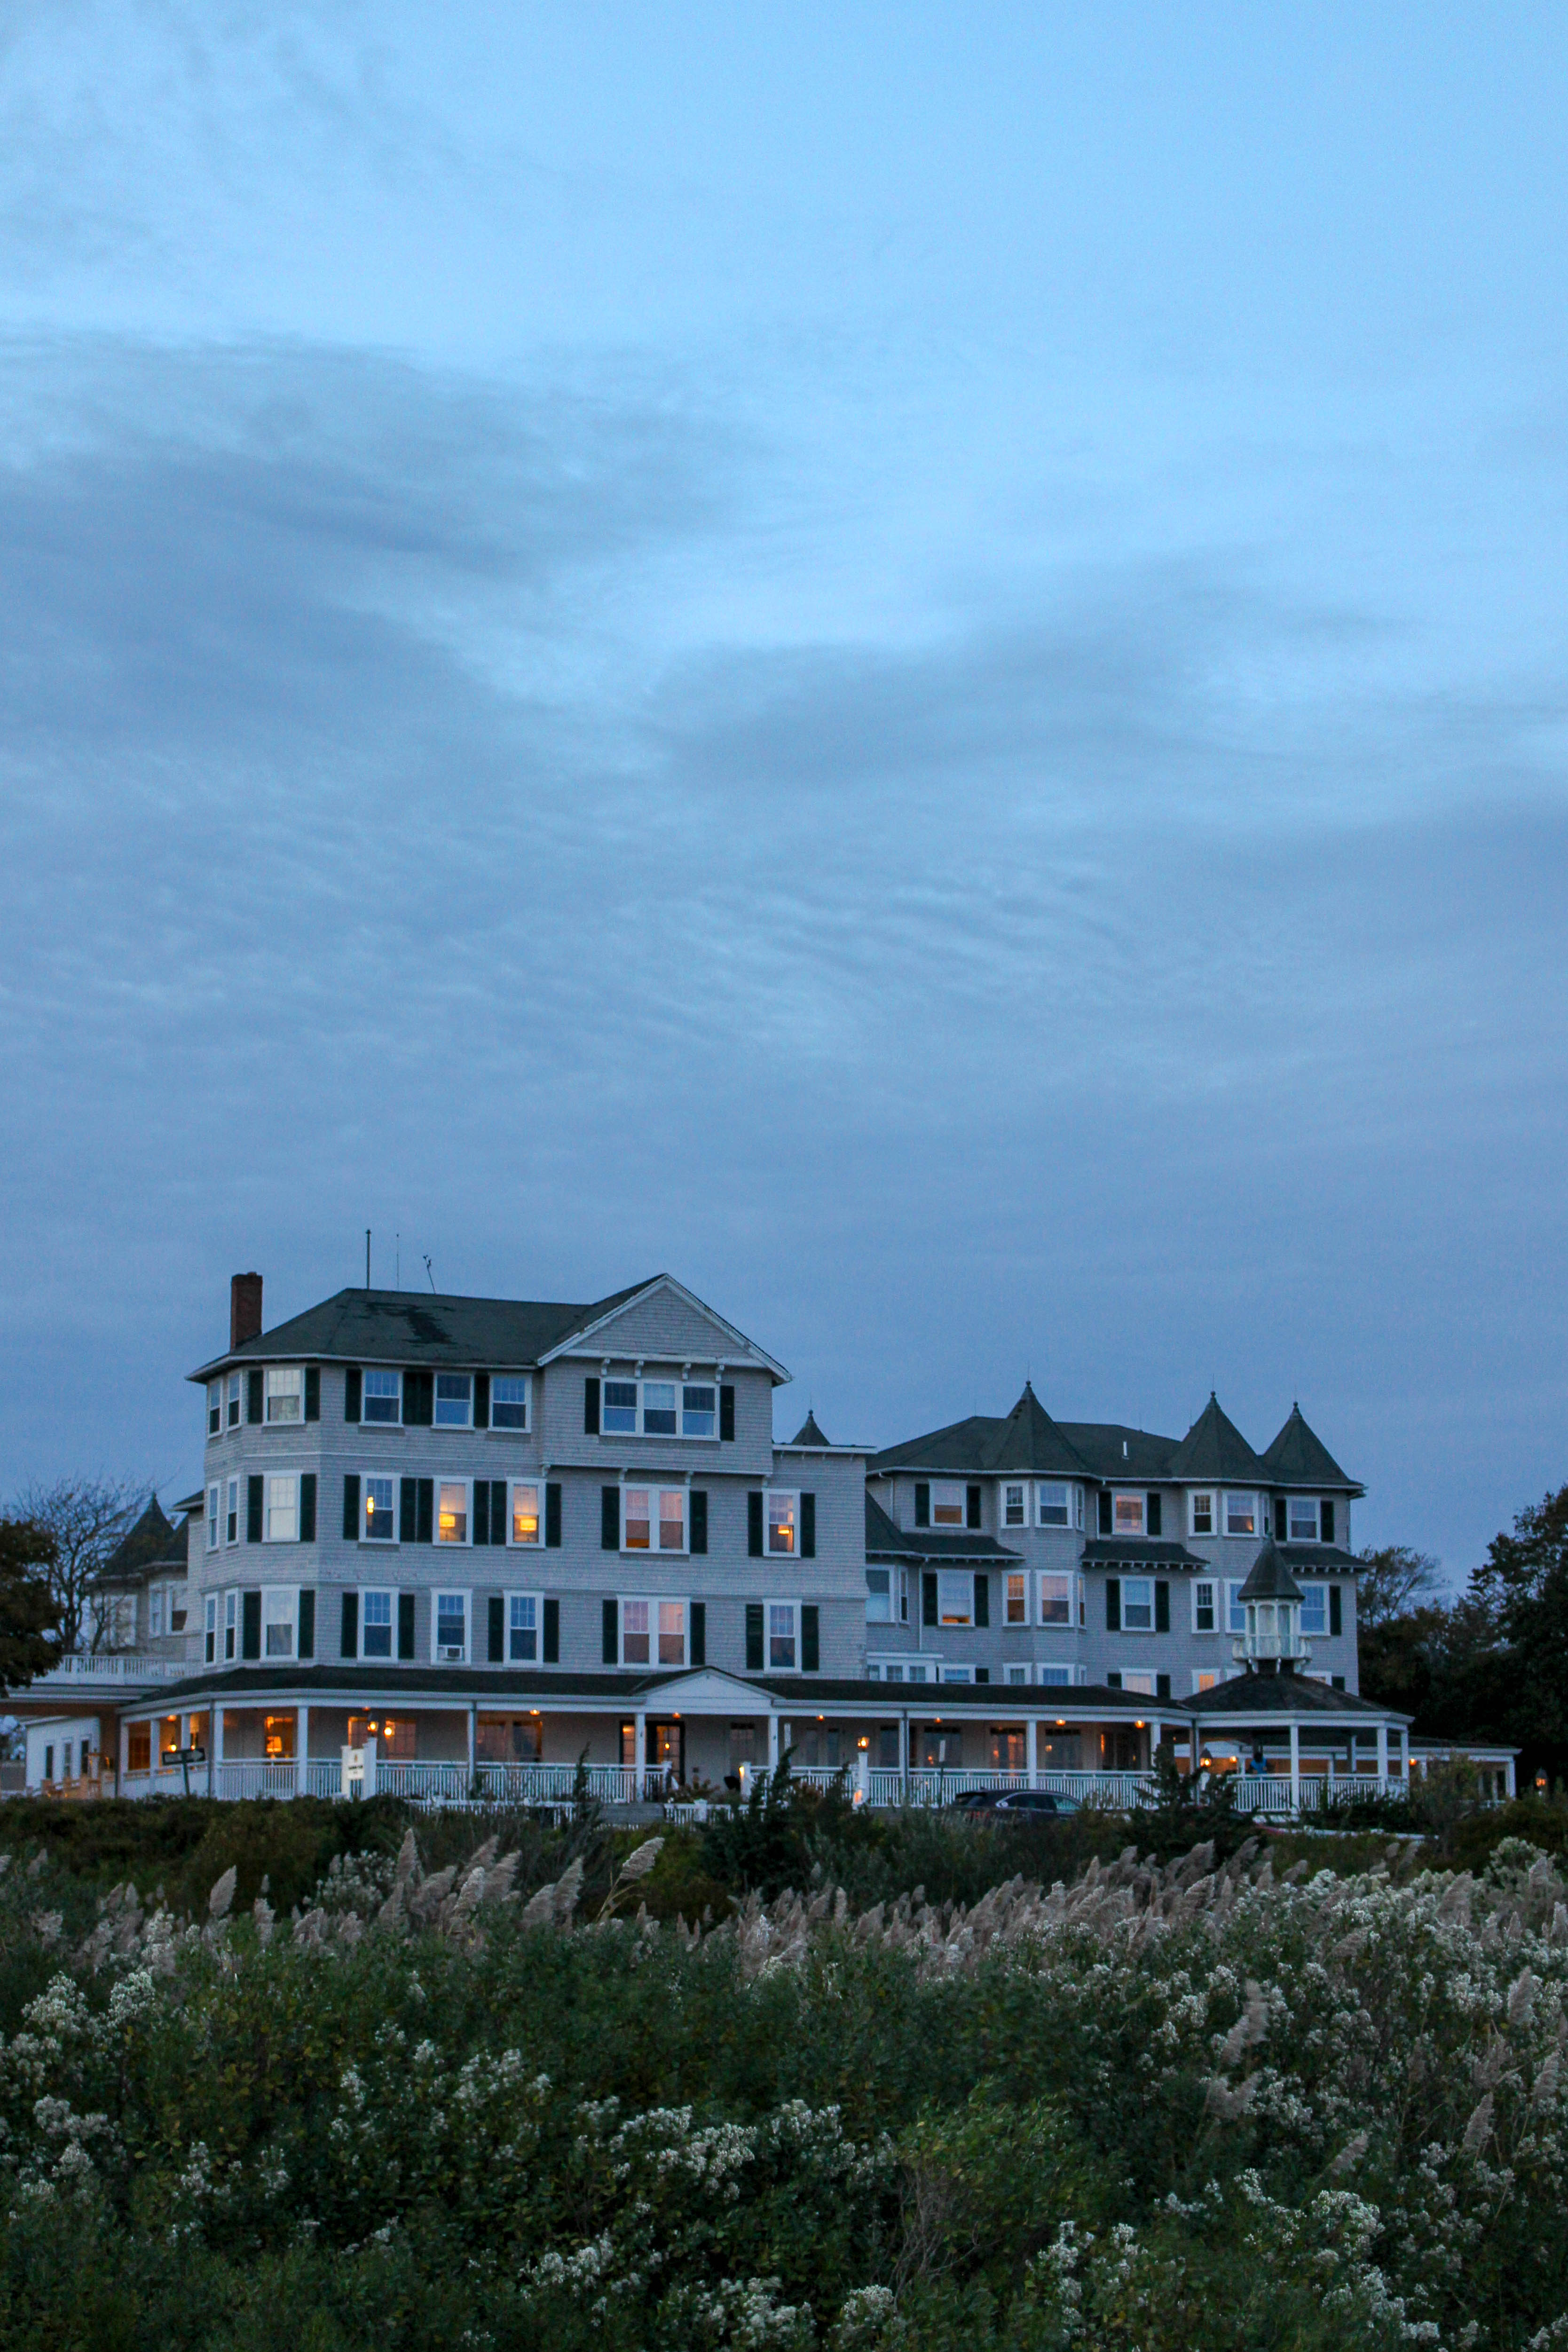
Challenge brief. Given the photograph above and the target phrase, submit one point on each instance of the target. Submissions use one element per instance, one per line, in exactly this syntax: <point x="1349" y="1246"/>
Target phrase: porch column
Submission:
<point x="1295" y="1766"/>
<point x="473" y="1737"/>
<point x="904" y="1759"/>
<point x="640" y="1753"/>
<point x="772" y="1741"/>
<point x="1155" y="1729"/>
<point x="1402" y="1738"/>
<point x="302" y="1750"/>
<point x="1382" y="1755"/>
<point x="215" y="1745"/>
<point x="1034" y="1751"/>
<point x="124" y="1751"/>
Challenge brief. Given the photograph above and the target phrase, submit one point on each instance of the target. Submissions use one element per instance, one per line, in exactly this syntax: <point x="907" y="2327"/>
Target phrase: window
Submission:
<point x="1203" y="1678"/>
<point x="1203" y="1618"/>
<point x="947" y="1506"/>
<point x="919" y="1672"/>
<point x="672" y="1632"/>
<point x="1015" y="1674"/>
<point x="451" y="1519"/>
<point x="375" y="1626"/>
<point x="231" y="1521"/>
<point x="1234" y="1616"/>
<point x="210" y="1647"/>
<point x="525" y="1514"/>
<point x="653" y="1519"/>
<point x="380" y="1525"/>
<point x="1127" y="1515"/>
<point x="508" y="1402"/>
<point x="1303" y="1519"/>
<point x="1012" y="1507"/>
<point x="234" y="1399"/>
<point x="382" y="1396"/>
<point x="154" y="1610"/>
<point x="214" y="1407"/>
<point x="277" y="1622"/>
<point x="1138" y="1605"/>
<point x="619" y="1414"/>
<point x="658" y="1408"/>
<point x="781" y="1650"/>
<point x="1315" y="1608"/>
<point x="231" y="1624"/>
<point x="781" y="1521"/>
<point x="285" y="1394"/>
<point x="1015" y="1597"/>
<point x="213" y="1514"/>
<point x="954" y="1596"/>
<point x="1052" y="1504"/>
<point x="283" y="1510"/>
<point x="958" y="1673"/>
<point x="634" y="1634"/>
<point x="1056" y="1601"/>
<point x="698" y="1410"/>
<point x="879" y="1596"/>
<point x="1241" y="1515"/>
<point x="1142" y="1682"/>
<point x="451" y="1628"/>
<point x="645" y="1622"/>
<point x="1057" y="1676"/>
<point x="453" y="1400"/>
<point x="1200" y="1509"/>
<point x="523" y="1625"/>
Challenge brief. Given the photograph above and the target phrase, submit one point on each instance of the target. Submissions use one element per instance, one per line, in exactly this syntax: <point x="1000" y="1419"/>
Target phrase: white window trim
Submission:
<point x="651" y="1602"/>
<point x="958" y="1487"/>
<point x="788" y="1495"/>
<point x="1233" y="1585"/>
<point x="523" y="1543"/>
<point x="1215" y="1587"/>
<point x="1019" y="1486"/>
<point x="1208" y="1534"/>
<point x="467" y="1541"/>
<point x="1240" y="1495"/>
<point x="951" y="1675"/>
<point x="270" y="1593"/>
<point x="523" y="1592"/>
<point x="231" y="1513"/>
<point x="1315" y="1633"/>
<point x="1216" y="1674"/>
<point x="211" y="1626"/>
<point x="780" y="1601"/>
<point x="1143" y="1675"/>
<point x="1063" y="1527"/>
<point x="1138" y="1495"/>
<point x="378" y="1543"/>
<point x="872" y="1568"/>
<point x="654" y="1488"/>
<point x="235" y="1398"/>
<point x="214" y="1516"/>
<point x="510" y="1429"/>
<point x="1072" y="1673"/>
<point x="279" y="1478"/>
<point x="276" y="1372"/>
<point x="1317" y="1534"/>
<point x="384" y="1372"/>
<point x="680" y="1379"/>
<point x="1022" y="1575"/>
<point x="391" y="1591"/>
<point x="230" y="1626"/>
<point x="1143" y="1632"/>
<point x="966" y="1577"/>
<point x="1016" y="1672"/>
<point x="215" y="1408"/>
<point x="463" y="1592"/>
<point x="1053" y="1575"/>
<point x="435" y="1420"/>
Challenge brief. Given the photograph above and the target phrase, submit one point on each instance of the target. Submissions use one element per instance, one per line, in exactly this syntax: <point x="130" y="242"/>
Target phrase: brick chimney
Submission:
<point x="244" y="1308"/>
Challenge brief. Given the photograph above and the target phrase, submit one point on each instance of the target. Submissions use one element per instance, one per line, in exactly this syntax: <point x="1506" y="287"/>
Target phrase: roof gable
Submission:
<point x="1298" y="1458"/>
<point x="413" y="1327"/>
<point x="1029" y="1441"/>
<point x="151" y="1539"/>
<point x="1215" y="1448"/>
<point x="664" y="1321"/>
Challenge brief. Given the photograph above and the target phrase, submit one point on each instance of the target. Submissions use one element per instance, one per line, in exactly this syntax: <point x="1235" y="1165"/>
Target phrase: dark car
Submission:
<point x="1014" y="1800"/>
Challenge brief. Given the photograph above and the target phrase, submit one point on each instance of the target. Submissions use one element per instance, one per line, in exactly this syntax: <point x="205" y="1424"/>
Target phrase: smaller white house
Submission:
<point x="65" y="1754"/>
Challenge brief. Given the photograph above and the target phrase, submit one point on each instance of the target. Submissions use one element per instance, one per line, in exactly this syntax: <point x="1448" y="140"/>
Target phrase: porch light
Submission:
<point x="1139" y="1724"/>
<point x="1061" y="1723"/>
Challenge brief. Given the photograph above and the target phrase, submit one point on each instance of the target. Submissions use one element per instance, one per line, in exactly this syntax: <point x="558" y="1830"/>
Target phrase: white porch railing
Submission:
<point x="236" y="1780"/>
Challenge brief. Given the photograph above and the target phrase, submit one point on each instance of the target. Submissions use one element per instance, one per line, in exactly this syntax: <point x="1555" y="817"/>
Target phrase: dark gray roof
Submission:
<point x="1030" y="1442"/>
<point x="809" y="1433"/>
<point x="1298" y="1458"/>
<point x="885" y="1540"/>
<point x="1269" y="1578"/>
<point x="963" y="1445"/>
<point x="408" y="1327"/>
<point x="1259" y="1695"/>
<point x="151" y="1542"/>
<point x="1119" y="1455"/>
<point x="1215" y="1448"/>
<point x="1319" y="1560"/>
<point x="1134" y="1551"/>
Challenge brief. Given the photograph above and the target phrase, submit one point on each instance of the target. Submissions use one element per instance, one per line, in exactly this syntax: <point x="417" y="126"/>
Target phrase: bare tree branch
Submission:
<point x="86" y="1517"/>
<point x="1392" y="1582"/>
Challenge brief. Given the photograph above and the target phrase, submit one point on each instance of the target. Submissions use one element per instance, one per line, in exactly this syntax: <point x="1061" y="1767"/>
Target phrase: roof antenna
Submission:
<point x="367" y="1258"/>
<point x="397" y="1261"/>
<point x="431" y="1275"/>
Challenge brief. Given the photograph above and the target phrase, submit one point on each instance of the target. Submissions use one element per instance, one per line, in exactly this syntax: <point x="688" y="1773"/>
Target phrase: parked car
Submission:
<point x="1015" y="1801"/>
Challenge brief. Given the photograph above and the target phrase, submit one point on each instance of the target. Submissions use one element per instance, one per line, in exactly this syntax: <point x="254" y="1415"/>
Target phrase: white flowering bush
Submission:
<point x="1188" y="2106"/>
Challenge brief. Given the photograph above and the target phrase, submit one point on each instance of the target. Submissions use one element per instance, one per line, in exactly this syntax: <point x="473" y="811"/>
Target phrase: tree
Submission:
<point x="1523" y="1588"/>
<point x="1393" y="1582"/>
<point x="30" y="1640"/>
<point x="85" y="1519"/>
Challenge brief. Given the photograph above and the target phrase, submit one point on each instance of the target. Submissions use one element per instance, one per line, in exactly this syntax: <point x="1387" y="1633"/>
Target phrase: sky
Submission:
<point x="908" y="660"/>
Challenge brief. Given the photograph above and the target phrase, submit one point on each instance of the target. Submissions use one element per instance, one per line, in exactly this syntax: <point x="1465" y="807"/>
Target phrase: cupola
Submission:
<point x="1271" y="1604"/>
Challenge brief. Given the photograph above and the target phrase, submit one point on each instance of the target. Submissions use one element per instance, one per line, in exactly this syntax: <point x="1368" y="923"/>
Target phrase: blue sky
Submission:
<point x="909" y="661"/>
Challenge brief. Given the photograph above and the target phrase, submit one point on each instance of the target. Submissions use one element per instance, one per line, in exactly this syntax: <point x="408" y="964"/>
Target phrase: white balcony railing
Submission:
<point x="234" y="1780"/>
<point x="106" y="1669"/>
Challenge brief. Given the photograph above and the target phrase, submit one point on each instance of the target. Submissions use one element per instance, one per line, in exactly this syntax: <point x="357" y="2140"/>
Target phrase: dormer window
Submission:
<point x="1052" y="1504"/>
<point x="947" y="1506"/>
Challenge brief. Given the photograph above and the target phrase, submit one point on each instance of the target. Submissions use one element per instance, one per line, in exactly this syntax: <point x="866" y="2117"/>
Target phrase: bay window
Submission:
<point x="380" y="1525"/>
<point x="277" y="1615"/>
<point x="231" y="1519"/>
<point x="525" y="1513"/>
<point x="233" y="1396"/>
<point x="231" y="1625"/>
<point x="214" y="1407"/>
<point x="508" y="1402"/>
<point x="1015" y="1597"/>
<point x="1013" y="1506"/>
<point x="382" y="1396"/>
<point x="453" y="1400"/>
<point x="1241" y="1515"/>
<point x="1056" y="1601"/>
<point x="1052" y="1505"/>
<point x="450" y="1618"/>
<point x="282" y="1511"/>
<point x="1200" y="1511"/>
<point x="210" y="1645"/>
<point x="285" y="1393"/>
<point x="452" y="1518"/>
<point x="213" y="1514"/>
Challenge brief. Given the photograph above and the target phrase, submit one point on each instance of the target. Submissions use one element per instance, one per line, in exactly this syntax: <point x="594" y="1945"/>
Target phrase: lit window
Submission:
<point x="1137" y="1604"/>
<point x="1127" y="1514"/>
<point x="282" y="1511"/>
<point x="879" y="1596"/>
<point x="453" y="1400"/>
<point x="1203" y="1606"/>
<point x="658" y="1408"/>
<point x="1315" y="1608"/>
<point x="381" y="1398"/>
<point x="1241" y="1515"/>
<point x="230" y="1522"/>
<point x="1203" y="1678"/>
<point x="525" y="1515"/>
<point x="620" y="1409"/>
<point x="1056" y="1601"/>
<point x="672" y="1632"/>
<point x="1051" y="1506"/>
<point x="1203" y="1513"/>
<point x="634" y="1651"/>
<point x="946" y="1506"/>
<point x="638" y="1523"/>
<point x="508" y="1402"/>
<point x="1303" y="1519"/>
<point x="277" y="1621"/>
<point x="522" y="1626"/>
<point x="451" y="1627"/>
<point x="452" y="1518"/>
<point x="285" y="1394"/>
<point x="780" y="1523"/>
<point x="375" y="1630"/>
<point x="213" y="1514"/>
<point x="1141" y="1684"/>
<point x="234" y="1400"/>
<point x="214" y="1407"/>
<point x="955" y="1597"/>
<point x="379" y="1523"/>
<point x="673" y="1520"/>
<point x="1016" y="1591"/>
<point x="1012" y="1507"/>
<point x="698" y="1416"/>
<point x="781" y="1636"/>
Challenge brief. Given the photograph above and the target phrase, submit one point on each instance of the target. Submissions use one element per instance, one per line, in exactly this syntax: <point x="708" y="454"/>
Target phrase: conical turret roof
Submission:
<point x="1215" y="1448"/>
<point x="1029" y="1441"/>
<point x="1299" y="1457"/>
<point x="809" y="1433"/>
<point x="1270" y="1580"/>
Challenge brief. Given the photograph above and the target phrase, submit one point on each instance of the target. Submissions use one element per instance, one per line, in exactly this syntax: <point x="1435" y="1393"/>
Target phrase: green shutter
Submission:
<point x="1325" y="1516"/>
<point x="552" y="1518"/>
<point x="353" y="1393"/>
<point x="609" y="1633"/>
<point x="348" y="1640"/>
<point x="982" y="1598"/>
<point x="552" y="1632"/>
<point x="810" y="1638"/>
<point x="921" y="1504"/>
<point x="1113" y="1604"/>
<point x="253" y="1398"/>
<point x="252" y="1511"/>
<point x="754" y="1637"/>
<point x="497" y="1510"/>
<point x="307" y="1622"/>
<point x="698" y="1528"/>
<point x="408" y="1510"/>
<point x="418" y="1400"/>
<point x="610" y="1518"/>
<point x="928" y="1598"/>
<point x="726" y="1415"/>
<point x="1155" y="1514"/>
<point x="697" y="1651"/>
<point x="754" y="1525"/>
<point x="971" y="1507"/>
<point x="250" y="1625"/>
<point x="1337" y="1610"/>
<point x="312" y="1392"/>
<point x="307" y="1507"/>
<point x="1162" y="1686"/>
<point x="1105" y="1513"/>
<point x="498" y="1628"/>
<point x="481" y="1400"/>
<point x="1162" y="1607"/>
<point x="808" y="1527"/>
<point x="352" y="1508"/>
<point x="426" y="1530"/>
<point x="591" y="1406"/>
<point x="1281" y="1524"/>
<point x="481" y="1528"/>
<point x="405" y="1624"/>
